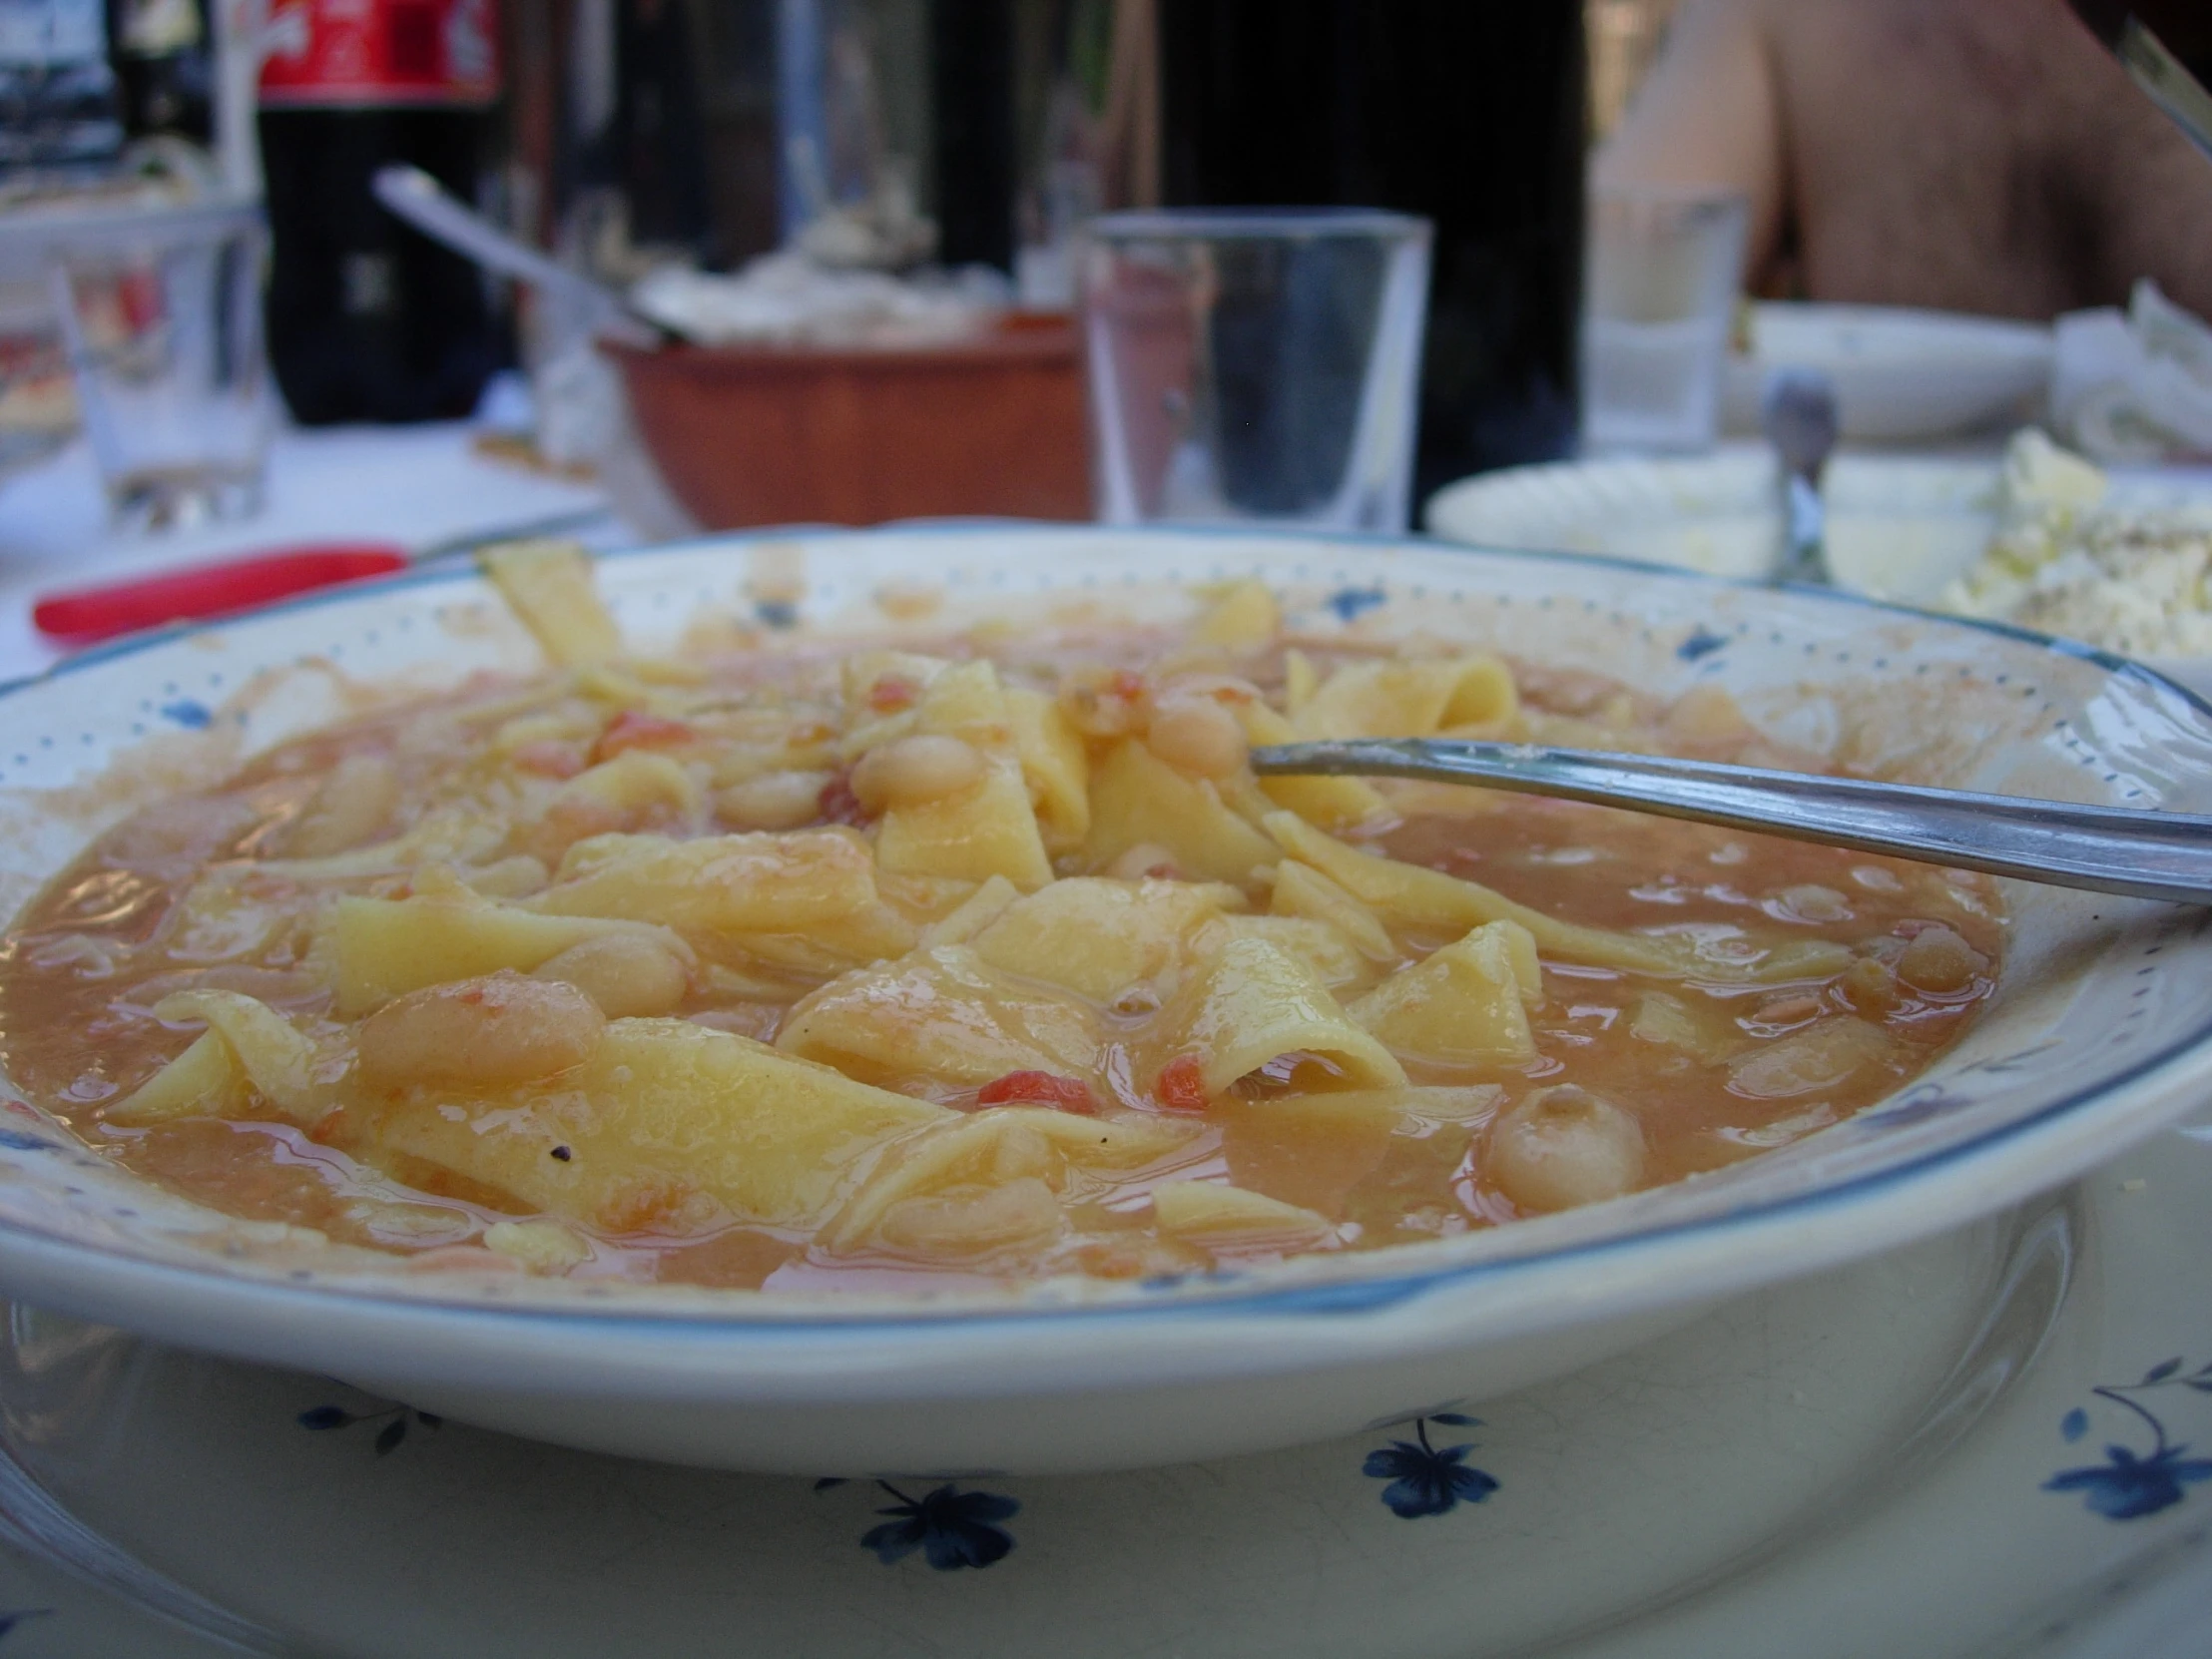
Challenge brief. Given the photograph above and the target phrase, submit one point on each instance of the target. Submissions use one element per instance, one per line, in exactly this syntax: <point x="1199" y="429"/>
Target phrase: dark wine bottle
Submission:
<point x="369" y="319"/>
<point x="163" y="52"/>
<point x="971" y="88"/>
<point x="1471" y="115"/>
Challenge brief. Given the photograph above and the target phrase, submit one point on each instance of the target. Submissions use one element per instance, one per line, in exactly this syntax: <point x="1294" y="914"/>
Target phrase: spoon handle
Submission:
<point x="2165" y="855"/>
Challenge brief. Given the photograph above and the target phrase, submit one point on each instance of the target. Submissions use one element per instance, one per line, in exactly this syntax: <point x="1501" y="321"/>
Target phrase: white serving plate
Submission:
<point x="1899" y="529"/>
<point x="1895" y="1424"/>
<point x="1901" y="375"/>
<point x="2101" y="1034"/>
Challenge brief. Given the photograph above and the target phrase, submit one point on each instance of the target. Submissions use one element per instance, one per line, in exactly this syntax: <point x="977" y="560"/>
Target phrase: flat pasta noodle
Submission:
<point x="205" y="1080"/>
<point x="1054" y="765"/>
<point x="997" y="1142"/>
<point x="1217" y="1211"/>
<point x="1412" y="894"/>
<point x="1256" y="1003"/>
<point x="1464" y="1006"/>
<point x="988" y="829"/>
<point x="1410" y="700"/>
<point x="716" y="885"/>
<point x="1099" y="937"/>
<point x="1138" y="800"/>
<point x="377" y="948"/>
<point x="943" y="1015"/>
<point x="277" y="1059"/>
<point x="548" y="584"/>
<point x="1331" y="803"/>
<point x="1320" y="944"/>
<point x="667" y="1125"/>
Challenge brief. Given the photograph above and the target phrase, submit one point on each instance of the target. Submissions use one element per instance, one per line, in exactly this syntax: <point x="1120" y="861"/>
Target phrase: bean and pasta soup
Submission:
<point x="991" y="962"/>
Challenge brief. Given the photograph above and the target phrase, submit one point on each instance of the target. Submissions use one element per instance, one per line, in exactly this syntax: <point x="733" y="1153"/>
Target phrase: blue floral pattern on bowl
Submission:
<point x="13" y="1617"/>
<point x="2126" y="1485"/>
<point x="1425" y="1478"/>
<point x="951" y="1528"/>
<point x="322" y="1419"/>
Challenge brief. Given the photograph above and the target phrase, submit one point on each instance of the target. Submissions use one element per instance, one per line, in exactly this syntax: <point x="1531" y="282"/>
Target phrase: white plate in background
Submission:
<point x="1902" y="375"/>
<point x="1899" y="527"/>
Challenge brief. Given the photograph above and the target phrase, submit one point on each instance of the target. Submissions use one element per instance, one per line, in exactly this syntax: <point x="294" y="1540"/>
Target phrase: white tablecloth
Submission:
<point x="412" y="485"/>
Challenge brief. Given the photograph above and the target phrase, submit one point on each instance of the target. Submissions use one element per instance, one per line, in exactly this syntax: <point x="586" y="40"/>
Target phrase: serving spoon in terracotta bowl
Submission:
<point x="2165" y="855"/>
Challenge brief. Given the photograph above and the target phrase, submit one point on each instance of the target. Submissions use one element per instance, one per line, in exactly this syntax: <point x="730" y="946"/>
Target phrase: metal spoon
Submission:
<point x="422" y="202"/>
<point x="2165" y="855"/>
<point x="1797" y="411"/>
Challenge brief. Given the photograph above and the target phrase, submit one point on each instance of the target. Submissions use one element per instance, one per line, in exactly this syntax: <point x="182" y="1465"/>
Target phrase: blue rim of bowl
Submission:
<point x="1238" y="1294"/>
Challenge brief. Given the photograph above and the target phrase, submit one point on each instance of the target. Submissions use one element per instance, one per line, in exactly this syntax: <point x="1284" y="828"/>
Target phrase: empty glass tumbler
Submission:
<point x="161" y="311"/>
<point x="1662" y="269"/>
<point x="1254" y="364"/>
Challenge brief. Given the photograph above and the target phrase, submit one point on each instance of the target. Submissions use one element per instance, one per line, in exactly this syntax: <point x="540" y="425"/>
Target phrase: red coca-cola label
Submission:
<point x="381" y="52"/>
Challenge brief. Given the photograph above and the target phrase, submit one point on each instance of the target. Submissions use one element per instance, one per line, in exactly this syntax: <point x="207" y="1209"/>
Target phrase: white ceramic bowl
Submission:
<point x="2101" y="1033"/>
<point x="1901" y="375"/>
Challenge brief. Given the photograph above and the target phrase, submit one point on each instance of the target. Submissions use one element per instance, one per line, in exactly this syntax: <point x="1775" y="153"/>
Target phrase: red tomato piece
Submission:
<point x="892" y="693"/>
<point x="549" y="758"/>
<point x="1181" y="1085"/>
<point x="1039" y="1088"/>
<point x="632" y="730"/>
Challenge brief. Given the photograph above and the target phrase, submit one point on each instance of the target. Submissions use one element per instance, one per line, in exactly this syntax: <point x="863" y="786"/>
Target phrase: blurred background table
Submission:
<point x="416" y="486"/>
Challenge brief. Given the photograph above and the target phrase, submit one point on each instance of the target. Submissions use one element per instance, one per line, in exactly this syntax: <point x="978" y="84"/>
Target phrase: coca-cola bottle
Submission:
<point x="367" y="319"/>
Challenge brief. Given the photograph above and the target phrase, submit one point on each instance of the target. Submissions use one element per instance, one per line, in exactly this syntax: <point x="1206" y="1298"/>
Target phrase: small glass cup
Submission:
<point x="1255" y="365"/>
<point x="161" y="311"/>
<point x="1662" y="269"/>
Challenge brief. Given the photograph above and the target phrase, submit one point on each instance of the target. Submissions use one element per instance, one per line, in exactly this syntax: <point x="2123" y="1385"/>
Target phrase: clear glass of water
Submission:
<point x="1662" y="269"/>
<point x="161" y="311"/>
<point x="1254" y="365"/>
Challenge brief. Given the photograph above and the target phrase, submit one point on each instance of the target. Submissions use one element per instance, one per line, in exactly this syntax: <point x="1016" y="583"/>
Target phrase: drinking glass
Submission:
<point x="1662" y="269"/>
<point x="161" y="311"/>
<point x="1255" y="365"/>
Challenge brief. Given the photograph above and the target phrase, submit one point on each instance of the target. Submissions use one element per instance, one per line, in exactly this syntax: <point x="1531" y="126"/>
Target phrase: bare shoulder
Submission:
<point x="1943" y="152"/>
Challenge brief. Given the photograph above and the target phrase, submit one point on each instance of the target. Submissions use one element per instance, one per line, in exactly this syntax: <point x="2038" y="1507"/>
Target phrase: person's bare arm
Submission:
<point x="2156" y="191"/>
<point x="1707" y="115"/>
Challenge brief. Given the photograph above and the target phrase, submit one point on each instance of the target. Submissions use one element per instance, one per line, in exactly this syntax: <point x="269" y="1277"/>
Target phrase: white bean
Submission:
<point x="1806" y="1061"/>
<point x="773" y="800"/>
<point x="626" y="975"/>
<point x="1812" y="902"/>
<point x="1144" y="861"/>
<point x="1565" y="1145"/>
<point x="1939" y="961"/>
<point x="482" y="1034"/>
<point x="910" y="772"/>
<point x="1196" y="734"/>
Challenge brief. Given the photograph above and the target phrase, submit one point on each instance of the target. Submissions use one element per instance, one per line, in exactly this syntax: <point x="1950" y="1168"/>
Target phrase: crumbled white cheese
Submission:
<point x="2063" y="562"/>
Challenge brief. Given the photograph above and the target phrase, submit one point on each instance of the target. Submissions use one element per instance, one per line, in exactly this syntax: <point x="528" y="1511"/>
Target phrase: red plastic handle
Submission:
<point x="202" y="593"/>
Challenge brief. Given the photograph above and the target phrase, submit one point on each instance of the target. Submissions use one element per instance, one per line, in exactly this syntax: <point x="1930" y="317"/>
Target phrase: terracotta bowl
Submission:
<point x="772" y="434"/>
